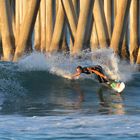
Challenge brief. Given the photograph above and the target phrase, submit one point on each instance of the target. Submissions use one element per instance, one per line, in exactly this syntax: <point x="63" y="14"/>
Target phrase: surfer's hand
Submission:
<point x="67" y="76"/>
<point x="75" y="76"/>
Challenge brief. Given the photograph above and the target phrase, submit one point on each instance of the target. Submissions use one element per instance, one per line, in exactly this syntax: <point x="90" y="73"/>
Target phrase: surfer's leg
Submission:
<point x="100" y="69"/>
<point x="99" y="79"/>
<point x="104" y="80"/>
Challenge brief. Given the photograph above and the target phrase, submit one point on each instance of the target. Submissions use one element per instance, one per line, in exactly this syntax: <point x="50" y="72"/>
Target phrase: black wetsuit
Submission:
<point x="97" y="68"/>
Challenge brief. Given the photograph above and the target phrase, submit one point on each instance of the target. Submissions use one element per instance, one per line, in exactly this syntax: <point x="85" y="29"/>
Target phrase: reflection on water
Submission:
<point x="69" y="98"/>
<point x="112" y="103"/>
<point x="109" y="103"/>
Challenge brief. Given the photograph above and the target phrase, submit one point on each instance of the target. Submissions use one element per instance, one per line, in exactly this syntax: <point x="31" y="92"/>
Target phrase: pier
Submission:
<point x="51" y="26"/>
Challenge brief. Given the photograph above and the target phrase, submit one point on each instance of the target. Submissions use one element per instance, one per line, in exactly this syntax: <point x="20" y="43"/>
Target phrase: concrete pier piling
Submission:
<point x="133" y="31"/>
<point x="49" y="23"/>
<point x="58" y="29"/>
<point x="6" y="30"/>
<point x="101" y="24"/>
<point x="71" y="16"/>
<point x="82" y="21"/>
<point x="94" y="41"/>
<point x="27" y="28"/>
<point x="138" y="57"/>
<point x="108" y="16"/>
<point x="37" y="33"/>
<point x="120" y="25"/>
<point x="43" y="24"/>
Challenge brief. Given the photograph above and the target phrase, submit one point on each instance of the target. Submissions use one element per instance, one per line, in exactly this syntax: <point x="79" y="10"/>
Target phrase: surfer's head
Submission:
<point x="79" y="69"/>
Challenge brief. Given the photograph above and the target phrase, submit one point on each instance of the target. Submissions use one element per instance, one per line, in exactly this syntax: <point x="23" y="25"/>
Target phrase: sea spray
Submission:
<point x="112" y="65"/>
<point x="56" y="64"/>
<point x="33" y="62"/>
<point x="62" y="64"/>
<point x="126" y="71"/>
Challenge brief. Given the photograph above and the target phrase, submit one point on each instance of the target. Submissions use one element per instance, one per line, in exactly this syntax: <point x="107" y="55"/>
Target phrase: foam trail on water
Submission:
<point x="61" y="64"/>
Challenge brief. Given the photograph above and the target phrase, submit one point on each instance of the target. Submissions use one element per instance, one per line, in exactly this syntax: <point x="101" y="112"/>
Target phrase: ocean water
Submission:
<point x="38" y="103"/>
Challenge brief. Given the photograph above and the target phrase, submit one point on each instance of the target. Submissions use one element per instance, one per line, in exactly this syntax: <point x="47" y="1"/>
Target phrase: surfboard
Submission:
<point x="117" y="86"/>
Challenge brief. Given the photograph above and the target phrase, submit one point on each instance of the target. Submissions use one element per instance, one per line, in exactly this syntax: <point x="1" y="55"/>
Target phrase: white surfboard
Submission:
<point x="117" y="86"/>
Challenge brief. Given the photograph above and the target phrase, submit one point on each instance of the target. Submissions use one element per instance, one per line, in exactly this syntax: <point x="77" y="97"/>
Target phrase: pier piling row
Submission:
<point x="51" y="26"/>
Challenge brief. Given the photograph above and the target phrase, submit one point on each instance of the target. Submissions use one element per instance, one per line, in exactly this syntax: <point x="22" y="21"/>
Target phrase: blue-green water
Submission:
<point x="36" y="103"/>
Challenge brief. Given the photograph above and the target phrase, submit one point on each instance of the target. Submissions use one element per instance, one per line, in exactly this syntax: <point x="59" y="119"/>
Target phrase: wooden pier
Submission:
<point x="51" y="26"/>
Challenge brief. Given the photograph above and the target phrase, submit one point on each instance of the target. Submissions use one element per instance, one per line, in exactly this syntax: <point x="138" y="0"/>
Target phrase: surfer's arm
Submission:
<point x="75" y="75"/>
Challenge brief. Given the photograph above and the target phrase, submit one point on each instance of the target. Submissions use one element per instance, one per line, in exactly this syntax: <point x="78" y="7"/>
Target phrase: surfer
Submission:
<point x="90" y="70"/>
<point x="116" y="85"/>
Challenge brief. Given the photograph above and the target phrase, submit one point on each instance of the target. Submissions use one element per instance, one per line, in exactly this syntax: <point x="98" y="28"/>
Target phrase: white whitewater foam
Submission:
<point x="61" y="64"/>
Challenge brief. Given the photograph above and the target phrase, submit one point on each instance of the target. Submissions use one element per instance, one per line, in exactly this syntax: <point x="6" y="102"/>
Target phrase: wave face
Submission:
<point x="36" y="85"/>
